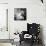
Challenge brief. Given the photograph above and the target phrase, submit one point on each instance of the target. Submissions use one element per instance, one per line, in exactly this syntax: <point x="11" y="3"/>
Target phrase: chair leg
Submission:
<point x="20" y="42"/>
<point x="32" y="42"/>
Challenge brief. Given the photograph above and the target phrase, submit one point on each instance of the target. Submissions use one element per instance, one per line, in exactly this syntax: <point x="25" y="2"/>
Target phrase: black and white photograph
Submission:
<point x="20" y="13"/>
<point x="22" y="22"/>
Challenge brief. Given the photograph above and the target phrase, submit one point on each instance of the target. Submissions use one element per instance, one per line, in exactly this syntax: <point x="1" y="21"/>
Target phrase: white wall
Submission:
<point x="3" y="21"/>
<point x="35" y="13"/>
<point x="3" y="1"/>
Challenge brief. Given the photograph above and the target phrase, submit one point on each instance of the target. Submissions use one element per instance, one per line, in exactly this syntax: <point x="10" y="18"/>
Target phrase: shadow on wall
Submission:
<point x="41" y="34"/>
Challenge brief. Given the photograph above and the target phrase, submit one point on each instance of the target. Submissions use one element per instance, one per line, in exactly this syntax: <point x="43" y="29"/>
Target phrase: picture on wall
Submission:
<point x="20" y="13"/>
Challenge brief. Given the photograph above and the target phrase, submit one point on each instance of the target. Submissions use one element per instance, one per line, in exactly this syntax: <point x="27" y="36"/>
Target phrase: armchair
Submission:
<point x="33" y="30"/>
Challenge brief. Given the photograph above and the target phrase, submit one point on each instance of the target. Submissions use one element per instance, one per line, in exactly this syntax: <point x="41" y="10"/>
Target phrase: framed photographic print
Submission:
<point x="20" y="13"/>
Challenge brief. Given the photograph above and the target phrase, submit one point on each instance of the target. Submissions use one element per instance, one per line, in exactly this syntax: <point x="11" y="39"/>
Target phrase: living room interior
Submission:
<point x="35" y="13"/>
